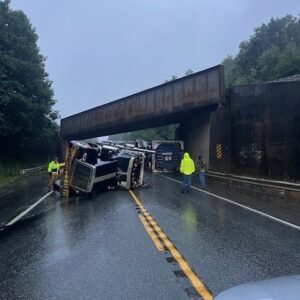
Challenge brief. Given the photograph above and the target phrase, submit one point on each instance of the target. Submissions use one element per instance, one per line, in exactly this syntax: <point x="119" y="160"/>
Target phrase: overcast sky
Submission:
<point x="101" y="50"/>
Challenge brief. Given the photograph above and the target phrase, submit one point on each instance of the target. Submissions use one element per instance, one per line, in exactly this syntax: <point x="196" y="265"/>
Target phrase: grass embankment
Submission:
<point x="10" y="169"/>
<point x="8" y="173"/>
<point x="5" y="179"/>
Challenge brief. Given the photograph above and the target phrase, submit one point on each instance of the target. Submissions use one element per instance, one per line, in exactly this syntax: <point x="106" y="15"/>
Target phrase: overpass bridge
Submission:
<point x="161" y="105"/>
<point x="257" y="128"/>
<point x="188" y="101"/>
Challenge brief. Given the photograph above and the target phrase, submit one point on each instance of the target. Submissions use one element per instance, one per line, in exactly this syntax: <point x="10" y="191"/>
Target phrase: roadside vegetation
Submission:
<point x="8" y="173"/>
<point x="10" y="167"/>
<point x="272" y="52"/>
<point x="28" y="128"/>
<point x="157" y="133"/>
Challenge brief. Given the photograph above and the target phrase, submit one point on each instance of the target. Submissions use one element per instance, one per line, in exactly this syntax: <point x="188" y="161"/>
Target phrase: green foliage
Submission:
<point x="272" y="52"/>
<point x="188" y="72"/>
<point x="27" y="119"/>
<point x="10" y="167"/>
<point x="229" y="69"/>
<point x="8" y="172"/>
<point x="5" y="179"/>
<point x="157" y="133"/>
<point x="174" y="77"/>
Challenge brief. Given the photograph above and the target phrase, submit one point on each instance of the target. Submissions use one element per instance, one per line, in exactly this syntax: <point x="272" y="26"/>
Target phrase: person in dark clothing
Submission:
<point x="201" y="168"/>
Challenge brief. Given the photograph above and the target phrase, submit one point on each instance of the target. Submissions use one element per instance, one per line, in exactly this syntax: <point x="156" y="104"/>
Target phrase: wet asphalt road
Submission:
<point x="18" y="195"/>
<point x="97" y="248"/>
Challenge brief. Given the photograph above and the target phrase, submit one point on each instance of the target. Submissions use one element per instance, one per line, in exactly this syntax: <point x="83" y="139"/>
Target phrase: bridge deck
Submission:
<point x="164" y="104"/>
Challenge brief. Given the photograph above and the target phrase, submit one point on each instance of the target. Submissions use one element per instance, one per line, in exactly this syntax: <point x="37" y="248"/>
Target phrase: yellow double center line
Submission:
<point x="150" y="223"/>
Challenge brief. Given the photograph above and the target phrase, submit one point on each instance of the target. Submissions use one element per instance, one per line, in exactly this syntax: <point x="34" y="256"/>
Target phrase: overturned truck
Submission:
<point x="102" y="166"/>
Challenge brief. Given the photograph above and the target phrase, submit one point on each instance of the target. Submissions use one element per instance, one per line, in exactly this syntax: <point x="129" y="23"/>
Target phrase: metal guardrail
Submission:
<point x="281" y="185"/>
<point x="33" y="170"/>
<point x="36" y="169"/>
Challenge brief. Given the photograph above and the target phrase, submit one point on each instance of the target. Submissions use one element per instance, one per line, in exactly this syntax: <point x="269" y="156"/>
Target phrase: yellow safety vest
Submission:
<point x="53" y="167"/>
<point x="187" y="166"/>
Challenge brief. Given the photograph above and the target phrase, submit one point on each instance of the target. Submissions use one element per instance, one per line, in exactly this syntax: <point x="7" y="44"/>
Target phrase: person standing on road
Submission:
<point x="201" y="167"/>
<point x="53" y="171"/>
<point x="187" y="168"/>
<point x="149" y="158"/>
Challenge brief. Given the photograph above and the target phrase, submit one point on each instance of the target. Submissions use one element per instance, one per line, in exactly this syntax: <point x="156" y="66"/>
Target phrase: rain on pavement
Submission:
<point x="97" y="248"/>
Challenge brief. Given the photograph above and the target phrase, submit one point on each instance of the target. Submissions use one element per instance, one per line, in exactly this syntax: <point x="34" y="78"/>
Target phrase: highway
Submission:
<point x="150" y="243"/>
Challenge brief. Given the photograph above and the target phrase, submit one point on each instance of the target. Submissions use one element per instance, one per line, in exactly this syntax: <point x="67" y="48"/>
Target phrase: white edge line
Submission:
<point x="22" y="214"/>
<point x="243" y="206"/>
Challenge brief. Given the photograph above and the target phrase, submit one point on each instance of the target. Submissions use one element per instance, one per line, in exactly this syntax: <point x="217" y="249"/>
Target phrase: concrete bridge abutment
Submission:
<point x="203" y="133"/>
<point x="194" y="132"/>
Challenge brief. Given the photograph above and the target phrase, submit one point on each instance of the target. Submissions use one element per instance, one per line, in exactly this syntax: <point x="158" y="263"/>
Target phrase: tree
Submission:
<point x="174" y="77"/>
<point x="188" y="72"/>
<point x="157" y="133"/>
<point x="27" y="118"/>
<point x="272" y="52"/>
<point x="229" y="68"/>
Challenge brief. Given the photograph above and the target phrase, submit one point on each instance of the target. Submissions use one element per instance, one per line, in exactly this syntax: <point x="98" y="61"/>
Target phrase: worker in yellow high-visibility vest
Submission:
<point x="53" y="171"/>
<point x="187" y="168"/>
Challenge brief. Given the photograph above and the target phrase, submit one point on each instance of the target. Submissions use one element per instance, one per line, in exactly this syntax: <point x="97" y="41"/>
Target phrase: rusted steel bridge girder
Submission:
<point x="164" y="104"/>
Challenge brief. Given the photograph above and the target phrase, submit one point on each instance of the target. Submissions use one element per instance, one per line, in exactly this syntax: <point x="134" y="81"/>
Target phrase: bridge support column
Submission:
<point x="220" y="141"/>
<point x="203" y="133"/>
<point x="194" y="132"/>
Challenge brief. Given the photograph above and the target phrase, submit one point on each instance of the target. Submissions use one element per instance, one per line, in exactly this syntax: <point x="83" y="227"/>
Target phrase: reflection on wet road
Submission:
<point x="18" y="195"/>
<point x="97" y="247"/>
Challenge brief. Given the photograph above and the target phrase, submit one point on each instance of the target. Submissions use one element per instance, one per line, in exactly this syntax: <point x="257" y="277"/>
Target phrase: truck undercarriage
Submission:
<point x="101" y="166"/>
